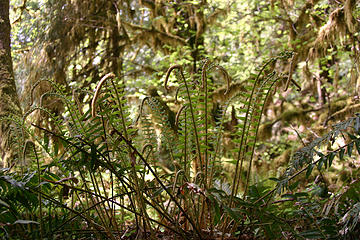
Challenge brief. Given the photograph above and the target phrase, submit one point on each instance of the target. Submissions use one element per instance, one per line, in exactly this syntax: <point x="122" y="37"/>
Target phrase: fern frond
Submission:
<point x="250" y="119"/>
<point x="308" y="157"/>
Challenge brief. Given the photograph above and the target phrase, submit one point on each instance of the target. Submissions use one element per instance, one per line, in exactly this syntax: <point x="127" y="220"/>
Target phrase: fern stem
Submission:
<point x="95" y="199"/>
<point x="244" y="136"/>
<point x="179" y="67"/>
<point x="111" y="174"/>
<point x="109" y="165"/>
<point x="257" y="127"/>
<point x="204" y="81"/>
<point x="39" y="194"/>
<point x="237" y="178"/>
<point x="185" y="146"/>
<point x="114" y="202"/>
<point x="88" y="219"/>
<point x="139" y="195"/>
<point x="161" y="183"/>
<point x="218" y="140"/>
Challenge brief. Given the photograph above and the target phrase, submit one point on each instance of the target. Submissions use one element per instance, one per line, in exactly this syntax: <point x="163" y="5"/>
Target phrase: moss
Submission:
<point x="337" y="105"/>
<point x="320" y="130"/>
<point x="283" y="159"/>
<point x="345" y="175"/>
<point x="265" y="131"/>
<point x="294" y="115"/>
<point x="323" y="117"/>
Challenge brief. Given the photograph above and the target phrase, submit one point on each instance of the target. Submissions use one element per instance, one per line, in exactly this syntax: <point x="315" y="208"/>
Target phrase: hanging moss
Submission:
<point x="294" y="115"/>
<point x="265" y="131"/>
<point x="283" y="159"/>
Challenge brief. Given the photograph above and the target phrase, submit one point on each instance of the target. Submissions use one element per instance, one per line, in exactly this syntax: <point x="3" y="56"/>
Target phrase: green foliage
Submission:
<point x="96" y="172"/>
<point x="105" y="171"/>
<point x="93" y="170"/>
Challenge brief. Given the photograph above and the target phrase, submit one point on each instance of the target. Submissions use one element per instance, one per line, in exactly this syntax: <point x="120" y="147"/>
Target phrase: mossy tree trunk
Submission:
<point x="9" y="102"/>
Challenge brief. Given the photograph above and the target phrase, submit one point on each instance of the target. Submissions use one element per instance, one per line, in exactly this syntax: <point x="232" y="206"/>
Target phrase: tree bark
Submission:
<point x="9" y="102"/>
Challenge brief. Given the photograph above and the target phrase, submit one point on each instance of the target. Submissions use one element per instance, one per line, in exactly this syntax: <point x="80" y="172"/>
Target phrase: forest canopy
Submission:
<point x="177" y="119"/>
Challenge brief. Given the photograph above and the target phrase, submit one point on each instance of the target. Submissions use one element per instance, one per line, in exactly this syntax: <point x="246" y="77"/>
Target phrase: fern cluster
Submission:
<point x="161" y="172"/>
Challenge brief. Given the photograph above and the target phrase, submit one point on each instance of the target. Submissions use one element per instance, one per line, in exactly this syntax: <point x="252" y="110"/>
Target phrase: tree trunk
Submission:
<point x="9" y="102"/>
